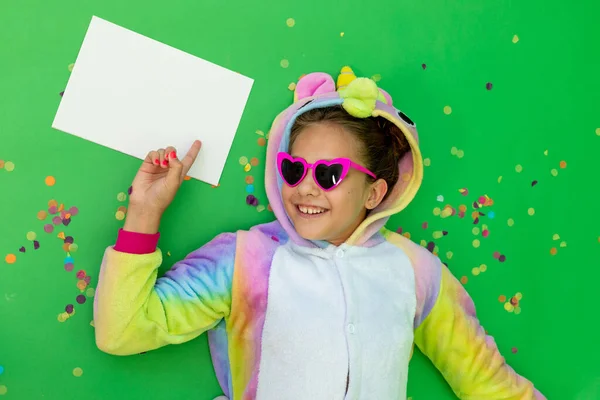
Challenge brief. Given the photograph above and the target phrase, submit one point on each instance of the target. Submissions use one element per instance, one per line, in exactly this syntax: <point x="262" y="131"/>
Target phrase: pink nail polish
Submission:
<point x="165" y="162"/>
<point x="173" y="155"/>
<point x="156" y="161"/>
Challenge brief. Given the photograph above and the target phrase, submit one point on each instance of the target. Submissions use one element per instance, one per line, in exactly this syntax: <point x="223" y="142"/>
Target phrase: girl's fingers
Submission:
<point x="190" y="157"/>
<point x="152" y="158"/>
<point x="161" y="158"/>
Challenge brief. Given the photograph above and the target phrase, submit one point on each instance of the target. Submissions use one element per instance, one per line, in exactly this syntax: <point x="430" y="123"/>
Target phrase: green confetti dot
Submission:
<point x="122" y="196"/>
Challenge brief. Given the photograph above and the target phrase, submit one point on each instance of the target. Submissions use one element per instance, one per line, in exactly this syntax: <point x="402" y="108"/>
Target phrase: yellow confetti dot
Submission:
<point x="259" y="132"/>
<point x="519" y="168"/>
<point x="476" y="243"/>
<point x="517" y="310"/>
<point x="284" y="63"/>
<point x="9" y="166"/>
<point x="554" y="172"/>
<point x="437" y="234"/>
<point x="531" y="211"/>
<point x="446" y="213"/>
<point x="483" y="267"/>
<point x="90" y="292"/>
<point x="556" y="236"/>
<point x="247" y="167"/>
<point x="437" y="211"/>
<point x="598" y="131"/>
<point x="92" y="323"/>
<point x="260" y="208"/>
<point x="545" y="152"/>
<point x="460" y="154"/>
<point x="62" y="317"/>
<point x="376" y="77"/>
<point x="511" y="222"/>
<point x="500" y="179"/>
<point x="563" y="244"/>
<point x="436" y="250"/>
<point x="73" y="247"/>
<point x="70" y="67"/>
<point x="292" y="86"/>
<point x="31" y="236"/>
<point x="475" y="271"/>
<point x="449" y="255"/>
<point x="77" y="372"/>
<point x="290" y="22"/>
<point x="423" y="242"/>
<point x="476" y="231"/>
<point x="427" y="162"/>
<point x="243" y="160"/>
<point x="447" y="110"/>
<point x="509" y="307"/>
<point x="3" y="390"/>
<point x="342" y="35"/>
<point x="406" y="235"/>
<point x="515" y="39"/>
<point x="519" y="296"/>
<point x="120" y="215"/>
<point x="121" y="196"/>
<point x="50" y="180"/>
<point x="453" y="151"/>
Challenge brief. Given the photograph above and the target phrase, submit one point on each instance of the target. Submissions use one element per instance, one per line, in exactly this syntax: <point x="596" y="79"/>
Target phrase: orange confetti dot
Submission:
<point x="50" y="180"/>
<point x="53" y="203"/>
<point x="81" y="285"/>
<point x="122" y="208"/>
<point x="563" y="164"/>
<point x="502" y="298"/>
<point x="187" y="178"/>
<point x="66" y="247"/>
<point x="61" y="207"/>
<point x="553" y="251"/>
<point x="406" y="235"/>
<point x="462" y="208"/>
<point x="261" y="141"/>
<point x="10" y="258"/>
<point x="42" y="215"/>
<point x="464" y="280"/>
<point x="249" y="180"/>
<point x="254" y="161"/>
<point x="1" y="164"/>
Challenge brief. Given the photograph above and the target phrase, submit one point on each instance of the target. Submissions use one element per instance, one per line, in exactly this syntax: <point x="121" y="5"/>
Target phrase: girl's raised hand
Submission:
<point x="155" y="186"/>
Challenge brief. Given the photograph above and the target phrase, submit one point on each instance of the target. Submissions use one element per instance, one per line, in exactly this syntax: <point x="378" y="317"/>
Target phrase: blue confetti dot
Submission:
<point x="250" y="188"/>
<point x="69" y="260"/>
<point x="491" y="214"/>
<point x="1" y="369"/>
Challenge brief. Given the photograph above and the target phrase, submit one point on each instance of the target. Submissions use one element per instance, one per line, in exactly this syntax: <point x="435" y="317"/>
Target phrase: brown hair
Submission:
<point x="383" y="143"/>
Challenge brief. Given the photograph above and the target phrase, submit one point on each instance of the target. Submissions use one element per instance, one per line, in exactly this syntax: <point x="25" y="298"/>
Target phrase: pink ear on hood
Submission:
<point x="388" y="98"/>
<point x="314" y="84"/>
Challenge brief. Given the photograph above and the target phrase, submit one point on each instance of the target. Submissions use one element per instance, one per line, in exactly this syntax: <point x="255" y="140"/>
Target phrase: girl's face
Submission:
<point x="333" y="215"/>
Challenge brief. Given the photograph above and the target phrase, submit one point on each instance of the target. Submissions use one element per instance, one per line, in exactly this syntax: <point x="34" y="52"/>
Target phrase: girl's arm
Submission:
<point x="135" y="312"/>
<point x="451" y="336"/>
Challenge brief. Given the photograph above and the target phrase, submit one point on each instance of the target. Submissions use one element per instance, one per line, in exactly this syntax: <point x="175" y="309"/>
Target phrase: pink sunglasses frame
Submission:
<point x="346" y="164"/>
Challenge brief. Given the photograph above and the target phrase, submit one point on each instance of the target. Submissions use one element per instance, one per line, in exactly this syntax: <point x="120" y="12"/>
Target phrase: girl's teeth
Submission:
<point x="307" y="210"/>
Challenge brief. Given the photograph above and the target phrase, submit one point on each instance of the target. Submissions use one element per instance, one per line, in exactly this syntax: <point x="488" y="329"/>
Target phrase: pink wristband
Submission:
<point x="136" y="243"/>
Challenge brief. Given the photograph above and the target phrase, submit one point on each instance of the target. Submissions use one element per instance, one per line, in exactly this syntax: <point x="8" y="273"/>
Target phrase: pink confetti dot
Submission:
<point x="496" y="255"/>
<point x="485" y="233"/>
<point x="56" y="220"/>
<point x="73" y="211"/>
<point x="48" y="228"/>
<point x="514" y="350"/>
<point x="69" y="267"/>
<point x="52" y="210"/>
<point x="482" y="200"/>
<point x="80" y="274"/>
<point x="425" y="225"/>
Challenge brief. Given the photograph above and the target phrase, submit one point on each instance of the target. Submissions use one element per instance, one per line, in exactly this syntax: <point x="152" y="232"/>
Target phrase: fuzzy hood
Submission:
<point x="361" y="98"/>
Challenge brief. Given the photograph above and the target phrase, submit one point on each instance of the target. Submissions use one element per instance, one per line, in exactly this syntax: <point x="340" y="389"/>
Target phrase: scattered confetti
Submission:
<point x="251" y="200"/>
<point x="342" y="34"/>
<point x="121" y="196"/>
<point x="77" y="372"/>
<point x="1" y="369"/>
<point x="553" y="251"/>
<point x="261" y="141"/>
<point x="597" y="131"/>
<point x="514" y="350"/>
<point x="81" y="299"/>
<point x="50" y="180"/>
<point x="476" y="243"/>
<point x="376" y="77"/>
<point x="3" y="390"/>
<point x="449" y="255"/>
<point x="519" y="168"/>
<point x="545" y="152"/>
<point x="120" y="215"/>
<point x="9" y="166"/>
<point x="475" y="271"/>
<point x="502" y="298"/>
<point x="243" y="160"/>
<point x="460" y="154"/>
<point x="70" y="67"/>
<point x="427" y="162"/>
<point x="440" y="198"/>
<point x="464" y="280"/>
<point x="260" y="208"/>
<point x="511" y="222"/>
<point x="247" y="167"/>
<point x="31" y="236"/>
<point x="254" y="161"/>
<point x="284" y="63"/>
<point x="41" y="215"/>
<point x="447" y="110"/>
<point x="563" y="164"/>
<point x="250" y="188"/>
<point x="249" y="180"/>
<point x="554" y="172"/>
<point x="292" y="86"/>
<point x="290" y="22"/>
<point x="500" y="179"/>
<point x="36" y="245"/>
<point x="534" y="183"/>
<point x="424" y="66"/>
<point x="489" y="86"/>
<point x="531" y="211"/>
<point x="515" y="39"/>
<point x="10" y="258"/>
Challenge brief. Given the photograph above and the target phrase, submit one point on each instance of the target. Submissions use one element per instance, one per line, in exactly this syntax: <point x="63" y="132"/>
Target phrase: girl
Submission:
<point x="324" y="302"/>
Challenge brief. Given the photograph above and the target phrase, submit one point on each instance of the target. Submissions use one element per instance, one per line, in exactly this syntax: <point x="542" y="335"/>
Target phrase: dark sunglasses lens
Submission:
<point x="291" y="171"/>
<point x="328" y="175"/>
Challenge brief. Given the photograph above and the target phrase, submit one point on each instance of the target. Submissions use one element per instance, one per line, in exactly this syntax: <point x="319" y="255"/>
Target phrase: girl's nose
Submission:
<point x="308" y="187"/>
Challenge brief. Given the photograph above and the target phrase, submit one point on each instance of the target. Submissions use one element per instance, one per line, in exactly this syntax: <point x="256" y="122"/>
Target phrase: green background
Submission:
<point x="544" y="97"/>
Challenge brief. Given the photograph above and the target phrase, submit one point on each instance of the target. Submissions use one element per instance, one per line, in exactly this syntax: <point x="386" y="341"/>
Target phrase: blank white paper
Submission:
<point x="134" y="94"/>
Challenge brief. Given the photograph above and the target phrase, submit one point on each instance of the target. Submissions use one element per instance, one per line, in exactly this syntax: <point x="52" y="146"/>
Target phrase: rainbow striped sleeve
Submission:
<point x="451" y="336"/>
<point x="135" y="312"/>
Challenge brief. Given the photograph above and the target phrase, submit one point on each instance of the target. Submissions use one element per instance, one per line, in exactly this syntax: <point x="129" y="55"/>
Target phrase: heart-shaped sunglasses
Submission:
<point x="327" y="174"/>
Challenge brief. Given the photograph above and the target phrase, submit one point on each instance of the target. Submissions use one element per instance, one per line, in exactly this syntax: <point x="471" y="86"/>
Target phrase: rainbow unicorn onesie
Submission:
<point x="292" y="319"/>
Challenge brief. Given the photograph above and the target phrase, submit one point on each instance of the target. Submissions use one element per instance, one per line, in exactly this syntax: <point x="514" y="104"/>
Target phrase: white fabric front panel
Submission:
<point x="336" y="311"/>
